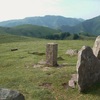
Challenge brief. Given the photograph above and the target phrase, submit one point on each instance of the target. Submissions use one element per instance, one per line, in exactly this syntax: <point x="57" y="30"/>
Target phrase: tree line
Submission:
<point x="62" y="36"/>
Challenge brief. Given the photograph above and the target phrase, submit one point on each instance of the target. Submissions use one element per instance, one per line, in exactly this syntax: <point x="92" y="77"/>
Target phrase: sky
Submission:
<point x="19" y="9"/>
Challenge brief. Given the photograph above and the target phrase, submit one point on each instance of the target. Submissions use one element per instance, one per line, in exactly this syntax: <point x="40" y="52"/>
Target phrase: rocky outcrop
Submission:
<point x="88" y="68"/>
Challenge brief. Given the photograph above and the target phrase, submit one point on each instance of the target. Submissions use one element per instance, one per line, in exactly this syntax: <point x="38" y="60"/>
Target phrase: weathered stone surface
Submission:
<point x="51" y="54"/>
<point x="74" y="77"/>
<point x="6" y="94"/>
<point x="72" y="52"/>
<point x="71" y="83"/>
<point x="96" y="47"/>
<point x="88" y="69"/>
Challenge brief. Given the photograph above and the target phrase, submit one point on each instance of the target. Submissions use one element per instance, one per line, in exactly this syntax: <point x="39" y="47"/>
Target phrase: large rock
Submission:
<point x="88" y="69"/>
<point x="96" y="47"/>
<point x="7" y="94"/>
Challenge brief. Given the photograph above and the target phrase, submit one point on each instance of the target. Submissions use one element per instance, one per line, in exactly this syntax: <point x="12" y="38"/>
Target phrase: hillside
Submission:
<point x="90" y="26"/>
<point x="8" y="38"/>
<point x="48" y="21"/>
<point x="28" y="30"/>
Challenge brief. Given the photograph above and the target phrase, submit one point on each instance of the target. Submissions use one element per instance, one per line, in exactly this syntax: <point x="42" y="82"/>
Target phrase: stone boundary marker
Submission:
<point x="88" y="69"/>
<point x="51" y="54"/>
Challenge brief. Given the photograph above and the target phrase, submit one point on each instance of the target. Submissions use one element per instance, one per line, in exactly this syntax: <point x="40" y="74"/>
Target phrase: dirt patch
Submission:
<point x="46" y="85"/>
<point x="46" y="68"/>
<point x="65" y="85"/>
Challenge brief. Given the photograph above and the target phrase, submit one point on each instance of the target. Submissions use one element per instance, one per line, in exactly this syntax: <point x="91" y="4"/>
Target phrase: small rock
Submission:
<point x="72" y="52"/>
<point x="74" y="77"/>
<point x="72" y="83"/>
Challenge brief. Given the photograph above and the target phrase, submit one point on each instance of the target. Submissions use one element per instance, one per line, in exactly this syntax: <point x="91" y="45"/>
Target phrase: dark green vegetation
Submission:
<point x="69" y="36"/>
<point x="28" y="30"/>
<point x="17" y="70"/>
<point x="42" y="32"/>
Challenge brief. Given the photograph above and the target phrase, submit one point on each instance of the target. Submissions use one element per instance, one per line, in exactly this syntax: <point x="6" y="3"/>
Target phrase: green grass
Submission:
<point x="17" y="71"/>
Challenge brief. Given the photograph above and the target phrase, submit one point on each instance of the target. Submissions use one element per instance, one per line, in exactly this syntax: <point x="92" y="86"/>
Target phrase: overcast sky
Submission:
<point x="18" y="9"/>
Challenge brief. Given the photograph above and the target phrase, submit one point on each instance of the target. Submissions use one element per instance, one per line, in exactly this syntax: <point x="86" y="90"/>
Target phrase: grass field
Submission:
<point x="41" y="83"/>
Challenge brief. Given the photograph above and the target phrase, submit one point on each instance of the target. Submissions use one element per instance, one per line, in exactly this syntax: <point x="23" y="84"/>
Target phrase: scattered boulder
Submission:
<point x="96" y="47"/>
<point x="7" y="94"/>
<point x="88" y="69"/>
<point x="72" y="52"/>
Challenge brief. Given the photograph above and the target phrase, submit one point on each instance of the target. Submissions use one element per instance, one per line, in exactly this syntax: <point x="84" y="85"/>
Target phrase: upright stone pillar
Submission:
<point x="51" y="54"/>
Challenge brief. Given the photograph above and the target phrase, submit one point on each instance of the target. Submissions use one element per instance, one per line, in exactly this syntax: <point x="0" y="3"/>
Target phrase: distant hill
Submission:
<point x="91" y="26"/>
<point x="28" y="30"/>
<point x="48" y="21"/>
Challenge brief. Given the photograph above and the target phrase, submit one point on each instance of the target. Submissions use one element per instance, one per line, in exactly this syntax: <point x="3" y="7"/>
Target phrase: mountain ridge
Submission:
<point x="72" y="25"/>
<point x="47" y="21"/>
<point x="91" y="26"/>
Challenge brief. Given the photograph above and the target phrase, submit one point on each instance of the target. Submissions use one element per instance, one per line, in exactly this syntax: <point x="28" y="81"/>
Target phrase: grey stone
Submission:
<point x="72" y="84"/>
<point x="96" y="47"/>
<point x="74" y="77"/>
<point x="51" y="54"/>
<point x="72" y="52"/>
<point x="88" y="69"/>
<point x="7" y="94"/>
